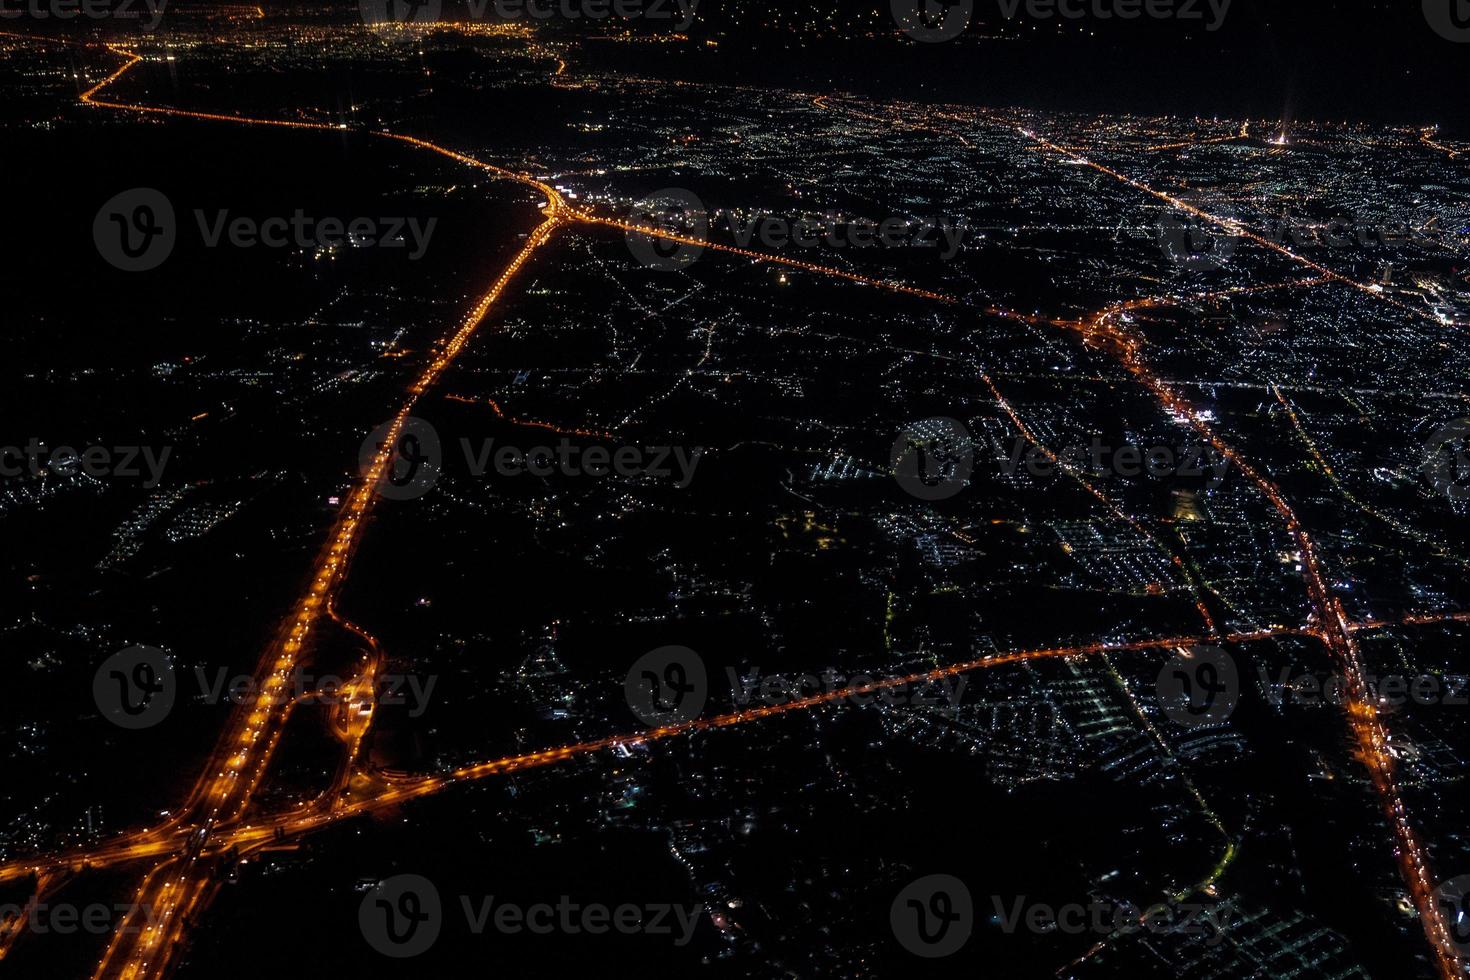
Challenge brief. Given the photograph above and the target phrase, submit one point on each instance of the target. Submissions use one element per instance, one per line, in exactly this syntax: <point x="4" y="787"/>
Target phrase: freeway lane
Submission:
<point x="224" y="792"/>
<point x="1108" y="331"/>
<point x="181" y="886"/>
<point x="255" y="731"/>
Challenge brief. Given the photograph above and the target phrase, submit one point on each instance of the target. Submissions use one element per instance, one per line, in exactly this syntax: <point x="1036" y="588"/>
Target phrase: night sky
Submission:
<point x="1374" y="60"/>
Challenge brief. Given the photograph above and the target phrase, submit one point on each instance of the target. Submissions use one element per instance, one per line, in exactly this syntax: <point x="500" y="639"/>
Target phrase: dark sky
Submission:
<point x="1370" y="60"/>
<point x="1377" y="60"/>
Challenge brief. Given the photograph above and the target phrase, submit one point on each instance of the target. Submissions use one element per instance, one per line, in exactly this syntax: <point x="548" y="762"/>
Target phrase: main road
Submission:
<point x="210" y="830"/>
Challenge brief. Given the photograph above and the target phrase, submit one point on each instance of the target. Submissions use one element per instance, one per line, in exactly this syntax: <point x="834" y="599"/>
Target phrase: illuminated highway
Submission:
<point x="1332" y="627"/>
<point x="224" y="792"/>
<point x="822" y="270"/>
<point x="177" y="888"/>
<point x="212" y="829"/>
<point x="1106" y="329"/>
<point x="1427" y="138"/>
<point x="1070" y="470"/>
<point x="1235" y="228"/>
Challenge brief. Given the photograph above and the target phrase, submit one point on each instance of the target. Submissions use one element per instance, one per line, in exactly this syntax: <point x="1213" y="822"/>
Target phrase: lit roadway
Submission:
<point x="1330" y="625"/>
<point x="1055" y="460"/>
<point x="1107" y="330"/>
<point x="175" y="889"/>
<point x="214" y="825"/>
